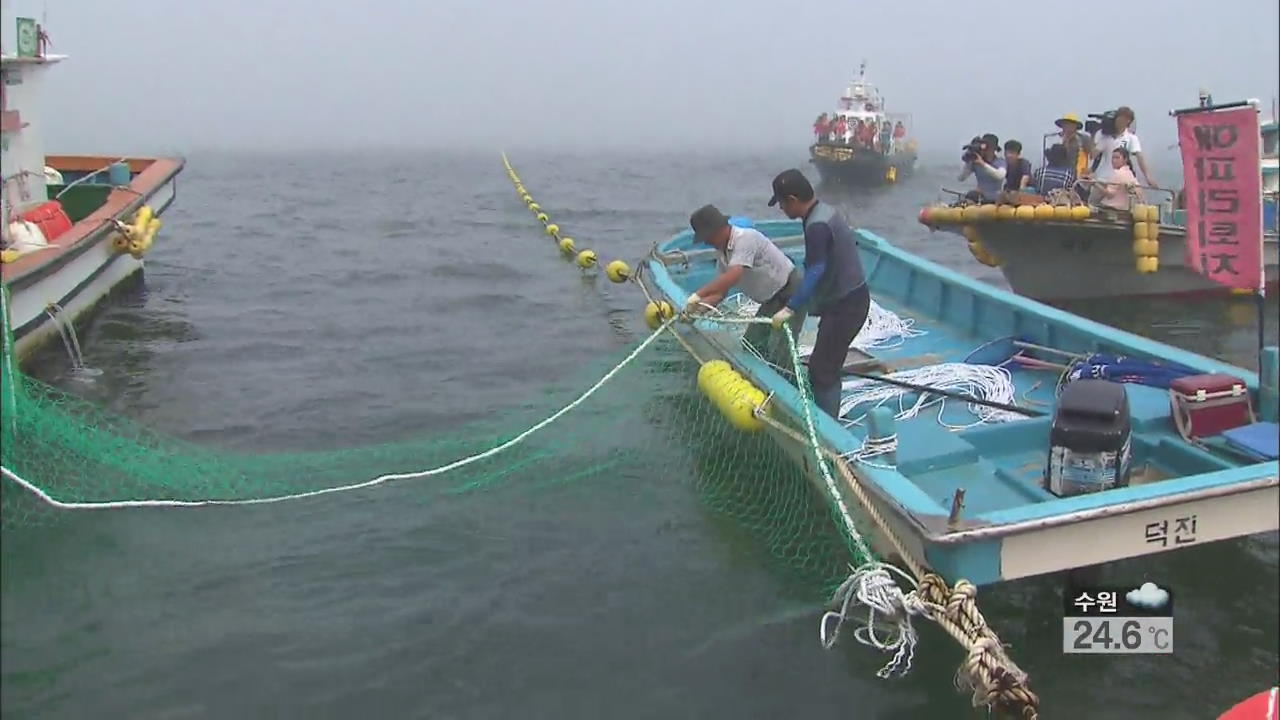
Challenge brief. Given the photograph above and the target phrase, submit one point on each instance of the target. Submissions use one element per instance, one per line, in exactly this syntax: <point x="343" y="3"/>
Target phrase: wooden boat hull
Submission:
<point x="840" y="165"/>
<point x="1011" y="527"/>
<point x="82" y="267"/>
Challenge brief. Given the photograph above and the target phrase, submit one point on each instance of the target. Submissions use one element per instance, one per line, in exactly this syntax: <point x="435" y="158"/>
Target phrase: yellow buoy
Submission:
<point x="1061" y="212"/>
<point x="736" y="398"/>
<point x="1148" y="264"/>
<point x="553" y="229"/>
<point x="1006" y="212"/>
<point x="119" y="242"/>
<point x="1153" y="213"/>
<point x="971" y="233"/>
<point x="1025" y="212"/>
<point x="656" y="313"/>
<point x="982" y="255"/>
<point x="8" y="256"/>
<point x="519" y="189"/>
<point x="942" y="215"/>
<point x="987" y="212"/>
<point x="535" y="207"/>
<point x="1145" y="248"/>
<point x="1080" y="212"/>
<point x="970" y="213"/>
<point x="586" y="259"/>
<point x="566" y="245"/>
<point x="1043" y="212"/>
<point x="891" y="174"/>
<point x="1140" y="231"/>
<point x="542" y="218"/>
<point x="527" y="198"/>
<point x="617" y="271"/>
<point x="142" y="219"/>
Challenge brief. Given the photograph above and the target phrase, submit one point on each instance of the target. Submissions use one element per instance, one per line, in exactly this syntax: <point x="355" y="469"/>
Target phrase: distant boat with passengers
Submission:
<point x="1059" y="247"/>
<point x="861" y="143"/>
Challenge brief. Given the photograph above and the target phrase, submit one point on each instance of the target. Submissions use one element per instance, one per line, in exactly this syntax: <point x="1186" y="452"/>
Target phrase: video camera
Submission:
<point x="972" y="150"/>
<point x="1101" y="121"/>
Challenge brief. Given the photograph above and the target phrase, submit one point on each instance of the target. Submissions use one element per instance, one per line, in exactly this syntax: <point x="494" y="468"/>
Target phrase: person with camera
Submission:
<point x="1113" y="134"/>
<point x="981" y="161"/>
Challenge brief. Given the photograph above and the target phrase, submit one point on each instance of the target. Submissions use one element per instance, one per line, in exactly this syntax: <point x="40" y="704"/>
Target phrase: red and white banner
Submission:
<point x="1223" y="179"/>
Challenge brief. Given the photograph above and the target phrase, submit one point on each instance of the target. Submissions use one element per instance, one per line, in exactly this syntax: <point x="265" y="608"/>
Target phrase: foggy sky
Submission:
<point x="186" y="76"/>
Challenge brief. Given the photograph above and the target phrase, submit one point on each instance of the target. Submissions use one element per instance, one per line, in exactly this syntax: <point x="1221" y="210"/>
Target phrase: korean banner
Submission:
<point x="1223" y="177"/>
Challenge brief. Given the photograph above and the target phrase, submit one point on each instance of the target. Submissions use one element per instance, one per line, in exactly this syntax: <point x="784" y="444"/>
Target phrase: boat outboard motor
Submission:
<point x="1089" y="440"/>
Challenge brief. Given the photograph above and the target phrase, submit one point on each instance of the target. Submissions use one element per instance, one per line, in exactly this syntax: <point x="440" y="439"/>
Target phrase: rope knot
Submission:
<point x="962" y="594"/>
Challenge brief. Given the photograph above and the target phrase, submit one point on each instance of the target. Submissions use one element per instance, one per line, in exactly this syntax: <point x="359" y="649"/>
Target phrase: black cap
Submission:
<point x="706" y="220"/>
<point x="790" y="182"/>
<point x="991" y="140"/>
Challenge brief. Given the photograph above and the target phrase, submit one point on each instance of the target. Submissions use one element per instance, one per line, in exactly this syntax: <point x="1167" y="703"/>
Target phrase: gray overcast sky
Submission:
<point x="192" y="75"/>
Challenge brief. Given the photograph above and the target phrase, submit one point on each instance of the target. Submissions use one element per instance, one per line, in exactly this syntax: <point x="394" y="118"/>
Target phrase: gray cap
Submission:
<point x="706" y="220"/>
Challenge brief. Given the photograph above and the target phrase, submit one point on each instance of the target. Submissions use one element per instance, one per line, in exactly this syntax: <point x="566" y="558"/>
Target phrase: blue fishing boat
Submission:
<point x="1075" y="444"/>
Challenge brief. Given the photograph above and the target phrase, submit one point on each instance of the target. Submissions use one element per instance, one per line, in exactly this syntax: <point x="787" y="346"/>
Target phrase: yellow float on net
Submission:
<point x="553" y="229"/>
<point x="617" y="271"/>
<point x="1025" y="213"/>
<point x="656" y="313"/>
<point x="535" y="207"/>
<point x="586" y="259"/>
<point x="736" y="398"/>
<point x="566" y="245"/>
<point x="1081" y="212"/>
<point x="542" y="218"/>
<point x="987" y="212"/>
<point x="1006" y="212"/>
<point x="527" y="198"/>
<point x="1148" y="264"/>
<point x="1043" y="212"/>
<point x="1061" y="212"/>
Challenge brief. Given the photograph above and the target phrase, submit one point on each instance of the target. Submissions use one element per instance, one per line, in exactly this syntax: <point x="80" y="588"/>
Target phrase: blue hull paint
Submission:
<point x="998" y="465"/>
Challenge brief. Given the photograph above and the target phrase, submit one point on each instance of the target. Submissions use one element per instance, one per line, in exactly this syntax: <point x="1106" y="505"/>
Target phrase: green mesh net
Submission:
<point x="645" y="417"/>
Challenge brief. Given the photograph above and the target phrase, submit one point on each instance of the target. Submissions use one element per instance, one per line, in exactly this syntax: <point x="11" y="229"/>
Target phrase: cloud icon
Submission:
<point x="1149" y="596"/>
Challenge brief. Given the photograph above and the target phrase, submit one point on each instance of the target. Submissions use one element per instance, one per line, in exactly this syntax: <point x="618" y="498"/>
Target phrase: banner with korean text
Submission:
<point x="1223" y="180"/>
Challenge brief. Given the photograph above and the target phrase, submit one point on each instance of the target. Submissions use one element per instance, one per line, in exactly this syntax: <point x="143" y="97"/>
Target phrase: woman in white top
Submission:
<point x="1125" y="139"/>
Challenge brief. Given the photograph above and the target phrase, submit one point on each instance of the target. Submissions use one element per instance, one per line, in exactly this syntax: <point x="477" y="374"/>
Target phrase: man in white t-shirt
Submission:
<point x="1104" y="145"/>
<point x="749" y="260"/>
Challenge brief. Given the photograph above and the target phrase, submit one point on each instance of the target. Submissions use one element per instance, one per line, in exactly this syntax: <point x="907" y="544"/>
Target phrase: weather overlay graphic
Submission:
<point x="1118" y="620"/>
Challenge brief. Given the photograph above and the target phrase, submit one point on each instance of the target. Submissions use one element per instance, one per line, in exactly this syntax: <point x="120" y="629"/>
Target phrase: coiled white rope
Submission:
<point x="984" y="382"/>
<point x="118" y="504"/>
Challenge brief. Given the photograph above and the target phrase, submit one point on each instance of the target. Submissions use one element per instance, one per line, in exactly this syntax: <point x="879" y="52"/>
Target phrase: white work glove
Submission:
<point x="694" y="304"/>
<point x="781" y="317"/>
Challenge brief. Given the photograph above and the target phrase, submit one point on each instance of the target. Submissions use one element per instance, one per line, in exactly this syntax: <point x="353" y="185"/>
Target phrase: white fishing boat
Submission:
<point x="844" y="158"/>
<point x="74" y="226"/>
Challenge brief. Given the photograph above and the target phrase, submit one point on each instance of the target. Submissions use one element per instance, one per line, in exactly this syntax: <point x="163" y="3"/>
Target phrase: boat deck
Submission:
<point x="1001" y="464"/>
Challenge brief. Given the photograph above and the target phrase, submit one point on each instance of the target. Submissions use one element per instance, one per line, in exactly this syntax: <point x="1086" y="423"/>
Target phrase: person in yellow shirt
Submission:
<point x="1079" y="146"/>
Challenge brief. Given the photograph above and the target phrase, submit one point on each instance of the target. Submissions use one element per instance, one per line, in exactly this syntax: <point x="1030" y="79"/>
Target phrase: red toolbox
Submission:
<point x="1206" y="405"/>
<point x="51" y="219"/>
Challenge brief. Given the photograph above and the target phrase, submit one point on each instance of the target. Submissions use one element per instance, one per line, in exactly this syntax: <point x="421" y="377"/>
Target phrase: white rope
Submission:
<point x="873" y="587"/>
<point x="984" y="382"/>
<point x="113" y="505"/>
<point x="883" y="329"/>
